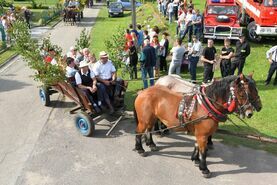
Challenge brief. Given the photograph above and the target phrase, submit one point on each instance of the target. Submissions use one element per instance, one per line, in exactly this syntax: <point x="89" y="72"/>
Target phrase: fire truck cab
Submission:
<point x="221" y="20"/>
<point x="260" y="17"/>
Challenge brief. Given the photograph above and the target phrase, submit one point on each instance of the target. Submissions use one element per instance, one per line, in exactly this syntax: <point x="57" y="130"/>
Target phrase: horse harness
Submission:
<point x="188" y="104"/>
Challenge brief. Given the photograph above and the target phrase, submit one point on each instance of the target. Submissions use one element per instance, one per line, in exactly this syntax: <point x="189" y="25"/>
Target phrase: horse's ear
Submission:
<point x="251" y="75"/>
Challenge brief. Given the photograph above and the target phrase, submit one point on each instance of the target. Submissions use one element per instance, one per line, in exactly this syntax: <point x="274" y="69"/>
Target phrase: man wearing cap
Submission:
<point x="85" y="80"/>
<point x="242" y="51"/>
<point x="271" y="55"/>
<point x="106" y="74"/>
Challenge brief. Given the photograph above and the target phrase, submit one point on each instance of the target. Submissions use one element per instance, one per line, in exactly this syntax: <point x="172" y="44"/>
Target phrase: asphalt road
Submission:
<point x="40" y="145"/>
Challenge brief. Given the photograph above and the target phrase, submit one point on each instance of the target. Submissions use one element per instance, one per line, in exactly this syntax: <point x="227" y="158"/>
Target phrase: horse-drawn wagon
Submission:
<point x="73" y="11"/>
<point x="85" y="119"/>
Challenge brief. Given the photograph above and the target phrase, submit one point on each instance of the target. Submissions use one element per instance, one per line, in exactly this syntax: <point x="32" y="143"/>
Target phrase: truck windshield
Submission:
<point x="270" y="3"/>
<point x="220" y="10"/>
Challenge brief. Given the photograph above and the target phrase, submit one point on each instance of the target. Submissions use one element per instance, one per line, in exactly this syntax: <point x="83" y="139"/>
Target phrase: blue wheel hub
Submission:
<point x="82" y="125"/>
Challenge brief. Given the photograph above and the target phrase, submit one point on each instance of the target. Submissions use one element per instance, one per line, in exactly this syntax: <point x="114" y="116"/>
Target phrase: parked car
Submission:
<point x="127" y="4"/>
<point x="115" y="9"/>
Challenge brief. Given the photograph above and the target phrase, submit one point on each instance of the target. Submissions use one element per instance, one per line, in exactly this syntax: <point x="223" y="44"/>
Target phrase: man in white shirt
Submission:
<point x="271" y="55"/>
<point x="86" y="81"/>
<point x="106" y="74"/>
<point x="194" y="57"/>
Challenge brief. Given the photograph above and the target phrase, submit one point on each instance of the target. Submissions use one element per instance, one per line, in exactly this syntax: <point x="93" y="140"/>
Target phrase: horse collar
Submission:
<point x="209" y="108"/>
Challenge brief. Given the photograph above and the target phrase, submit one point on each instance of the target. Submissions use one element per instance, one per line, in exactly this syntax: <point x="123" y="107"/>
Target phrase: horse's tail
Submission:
<point x="135" y="115"/>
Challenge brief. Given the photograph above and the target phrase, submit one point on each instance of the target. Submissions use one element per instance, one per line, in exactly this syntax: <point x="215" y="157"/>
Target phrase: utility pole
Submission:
<point x="134" y="16"/>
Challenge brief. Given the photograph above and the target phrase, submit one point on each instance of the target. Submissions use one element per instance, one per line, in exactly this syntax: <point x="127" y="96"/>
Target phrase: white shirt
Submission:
<point x="70" y="72"/>
<point x="189" y="18"/>
<point x="170" y="7"/>
<point x="54" y="61"/>
<point x="78" y="77"/>
<point x="178" y="53"/>
<point x="104" y="71"/>
<point x="92" y="67"/>
<point x="273" y="52"/>
<point x="197" y="46"/>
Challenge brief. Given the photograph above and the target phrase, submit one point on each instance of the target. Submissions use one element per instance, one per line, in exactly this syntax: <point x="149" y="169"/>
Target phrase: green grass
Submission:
<point x="263" y="123"/>
<point x="26" y="3"/>
<point x="6" y="55"/>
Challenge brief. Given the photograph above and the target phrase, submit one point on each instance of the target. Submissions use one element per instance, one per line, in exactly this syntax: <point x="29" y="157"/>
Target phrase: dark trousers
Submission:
<point x="192" y="67"/>
<point x="197" y="31"/>
<point x="188" y="31"/>
<point x="175" y="10"/>
<point x="134" y="72"/>
<point x="225" y="68"/>
<point x="208" y="73"/>
<point x="272" y="69"/>
<point x="163" y="64"/>
<point x="28" y="23"/>
<point x="91" y="96"/>
<point x="238" y="63"/>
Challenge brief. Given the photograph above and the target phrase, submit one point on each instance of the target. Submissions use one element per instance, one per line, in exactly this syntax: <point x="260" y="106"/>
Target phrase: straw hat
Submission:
<point x="103" y="54"/>
<point x="83" y="64"/>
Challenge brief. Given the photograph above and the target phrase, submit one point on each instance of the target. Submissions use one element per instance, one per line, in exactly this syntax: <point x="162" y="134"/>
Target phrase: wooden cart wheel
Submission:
<point x="84" y="124"/>
<point x="44" y="96"/>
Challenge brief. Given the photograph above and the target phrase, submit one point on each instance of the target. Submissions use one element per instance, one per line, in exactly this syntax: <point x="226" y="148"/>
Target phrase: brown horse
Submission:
<point x="211" y="105"/>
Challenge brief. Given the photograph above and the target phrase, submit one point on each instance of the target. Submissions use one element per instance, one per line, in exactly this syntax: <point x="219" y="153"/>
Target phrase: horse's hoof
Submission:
<point x="143" y="154"/>
<point x="196" y="163"/>
<point x="206" y="173"/>
<point x="210" y="146"/>
<point x="154" y="148"/>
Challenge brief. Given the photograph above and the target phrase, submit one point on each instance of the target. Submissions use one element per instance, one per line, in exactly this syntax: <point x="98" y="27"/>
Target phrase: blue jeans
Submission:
<point x="144" y="72"/>
<point x="197" y="31"/>
<point x="192" y="67"/>
<point x="189" y="30"/>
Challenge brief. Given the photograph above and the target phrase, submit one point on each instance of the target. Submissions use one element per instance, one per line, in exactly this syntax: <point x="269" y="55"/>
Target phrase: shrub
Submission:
<point x="115" y="46"/>
<point x="83" y="41"/>
<point x="46" y="73"/>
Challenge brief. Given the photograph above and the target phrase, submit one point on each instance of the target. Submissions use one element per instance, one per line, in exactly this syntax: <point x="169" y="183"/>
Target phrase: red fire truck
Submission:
<point x="221" y="20"/>
<point x="260" y="17"/>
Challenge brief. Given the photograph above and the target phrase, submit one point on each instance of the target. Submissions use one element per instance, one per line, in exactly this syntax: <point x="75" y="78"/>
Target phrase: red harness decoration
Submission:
<point x="209" y="108"/>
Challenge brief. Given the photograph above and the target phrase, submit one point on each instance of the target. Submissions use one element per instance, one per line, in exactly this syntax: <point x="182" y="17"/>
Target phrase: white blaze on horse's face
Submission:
<point x="245" y="106"/>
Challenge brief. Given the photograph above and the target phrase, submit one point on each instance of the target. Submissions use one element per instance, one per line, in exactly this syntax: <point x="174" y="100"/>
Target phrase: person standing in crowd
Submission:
<point x="156" y="45"/>
<point x="27" y="16"/>
<point x="164" y="43"/>
<point x="170" y="10"/>
<point x="208" y="57"/>
<point x="194" y="57"/>
<point x="146" y="36"/>
<point x="133" y="56"/>
<point x="175" y="9"/>
<point x="242" y="51"/>
<point x="164" y="7"/>
<point x="128" y="38"/>
<point x="86" y="81"/>
<point x="227" y="53"/>
<point x="148" y="62"/>
<point x="140" y="36"/>
<point x="188" y="24"/>
<point x="197" y="24"/>
<point x="271" y="55"/>
<point x="177" y="57"/>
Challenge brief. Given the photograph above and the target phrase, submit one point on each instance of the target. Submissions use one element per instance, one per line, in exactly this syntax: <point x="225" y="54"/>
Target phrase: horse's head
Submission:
<point x="247" y="95"/>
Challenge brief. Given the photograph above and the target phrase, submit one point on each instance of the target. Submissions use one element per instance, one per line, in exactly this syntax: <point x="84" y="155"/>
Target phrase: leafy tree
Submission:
<point x="115" y="46"/>
<point x="46" y="73"/>
<point x="83" y="41"/>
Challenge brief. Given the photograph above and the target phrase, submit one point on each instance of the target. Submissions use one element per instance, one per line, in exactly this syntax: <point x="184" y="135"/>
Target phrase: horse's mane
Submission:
<point x="220" y="88"/>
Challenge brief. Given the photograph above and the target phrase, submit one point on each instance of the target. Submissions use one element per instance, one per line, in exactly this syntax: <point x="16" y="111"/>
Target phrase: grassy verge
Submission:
<point x="263" y="122"/>
<point x="6" y="55"/>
